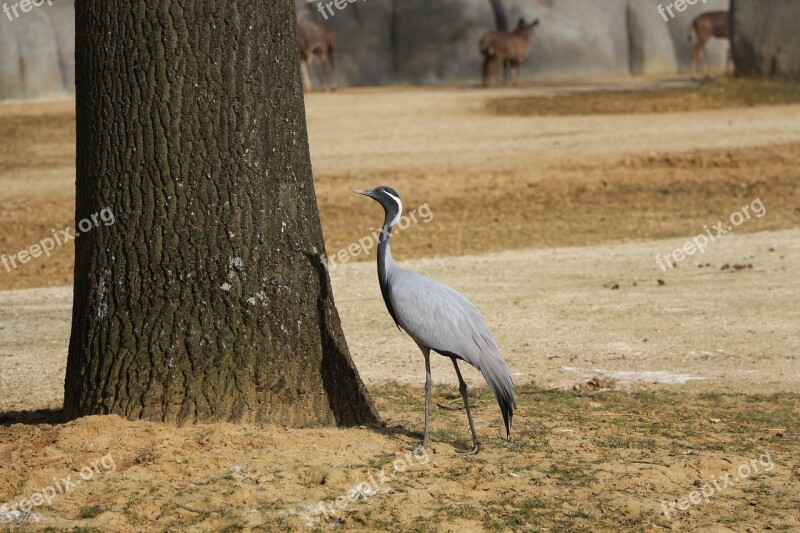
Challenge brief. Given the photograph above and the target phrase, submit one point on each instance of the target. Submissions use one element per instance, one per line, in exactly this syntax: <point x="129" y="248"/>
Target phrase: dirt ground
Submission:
<point x="638" y="386"/>
<point x="604" y="461"/>
<point x="666" y="98"/>
<point x="555" y="313"/>
<point x="493" y="182"/>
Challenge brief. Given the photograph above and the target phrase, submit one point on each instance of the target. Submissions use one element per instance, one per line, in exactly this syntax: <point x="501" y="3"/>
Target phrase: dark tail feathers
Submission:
<point x="499" y="380"/>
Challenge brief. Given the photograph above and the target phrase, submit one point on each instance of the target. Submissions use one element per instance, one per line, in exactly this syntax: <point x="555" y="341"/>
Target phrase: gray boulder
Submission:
<point x="38" y="51"/>
<point x="683" y="40"/>
<point x="420" y="41"/>
<point x="575" y="37"/>
<point x="365" y="51"/>
<point x="651" y="47"/>
<point x="40" y="63"/>
<point x="62" y="15"/>
<point x="766" y="38"/>
<point x="436" y="41"/>
<point x="12" y="83"/>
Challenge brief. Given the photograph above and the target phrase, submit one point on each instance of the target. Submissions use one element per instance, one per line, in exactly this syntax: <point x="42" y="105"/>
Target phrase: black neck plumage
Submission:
<point x="385" y="263"/>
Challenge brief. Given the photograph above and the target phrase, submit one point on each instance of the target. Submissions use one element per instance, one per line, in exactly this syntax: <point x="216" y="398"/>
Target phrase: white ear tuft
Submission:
<point x="399" y="208"/>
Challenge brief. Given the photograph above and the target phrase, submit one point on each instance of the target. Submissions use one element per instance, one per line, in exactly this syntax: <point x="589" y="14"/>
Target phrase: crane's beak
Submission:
<point x="363" y="193"/>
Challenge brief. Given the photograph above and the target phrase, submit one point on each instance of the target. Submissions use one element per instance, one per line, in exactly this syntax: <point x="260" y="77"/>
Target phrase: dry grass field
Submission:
<point x="638" y="387"/>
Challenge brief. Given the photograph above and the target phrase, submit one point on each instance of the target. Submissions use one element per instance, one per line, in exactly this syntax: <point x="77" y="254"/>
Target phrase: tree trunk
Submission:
<point x="500" y="15"/>
<point x="208" y="298"/>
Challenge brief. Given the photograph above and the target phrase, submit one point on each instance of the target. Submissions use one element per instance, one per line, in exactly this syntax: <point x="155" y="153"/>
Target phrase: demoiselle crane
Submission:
<point x="441" y="319"/>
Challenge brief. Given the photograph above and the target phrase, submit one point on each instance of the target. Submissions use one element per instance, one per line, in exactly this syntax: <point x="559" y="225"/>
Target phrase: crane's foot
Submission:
<point x="475" y="449"/>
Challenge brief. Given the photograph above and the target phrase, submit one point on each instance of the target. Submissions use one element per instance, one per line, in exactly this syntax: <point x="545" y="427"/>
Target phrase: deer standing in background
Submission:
<point x="503" y="50"/>
<point x="706" y="26"/>
<point x="316" y="41"/>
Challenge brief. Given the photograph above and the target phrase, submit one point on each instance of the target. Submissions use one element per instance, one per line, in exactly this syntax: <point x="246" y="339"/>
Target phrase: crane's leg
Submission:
<point x="462" y="387"/>
<point x="426" y="352"/>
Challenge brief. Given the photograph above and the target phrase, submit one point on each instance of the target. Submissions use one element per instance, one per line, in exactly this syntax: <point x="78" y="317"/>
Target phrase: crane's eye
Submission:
<point x="381" y="190"/>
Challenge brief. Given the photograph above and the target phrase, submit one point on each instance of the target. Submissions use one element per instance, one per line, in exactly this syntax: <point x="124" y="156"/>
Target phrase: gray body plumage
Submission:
<point x="441" y="319"/>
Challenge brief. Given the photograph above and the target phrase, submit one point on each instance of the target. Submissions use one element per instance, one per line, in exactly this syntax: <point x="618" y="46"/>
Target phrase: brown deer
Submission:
<point x="316" y="41"/>
<point x="506" y="50"/>
<point x="704" y="27"/>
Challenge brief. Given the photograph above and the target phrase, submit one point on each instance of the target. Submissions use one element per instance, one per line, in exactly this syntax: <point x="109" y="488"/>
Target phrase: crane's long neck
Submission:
<point x="385" y="267"/>
<point x="385" y="260"/>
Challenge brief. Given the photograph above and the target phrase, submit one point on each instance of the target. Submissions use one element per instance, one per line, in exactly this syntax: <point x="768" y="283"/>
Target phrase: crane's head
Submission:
<point x="389" y="199"/>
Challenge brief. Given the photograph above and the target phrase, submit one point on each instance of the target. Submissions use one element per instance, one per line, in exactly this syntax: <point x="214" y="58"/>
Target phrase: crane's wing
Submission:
<point x="442" y="319"/>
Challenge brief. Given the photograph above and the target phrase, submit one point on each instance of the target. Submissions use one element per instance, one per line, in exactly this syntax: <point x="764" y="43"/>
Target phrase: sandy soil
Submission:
<point x="596" y="462"/>
<point x="633" y="391"/>
<point x="554" y="313"/>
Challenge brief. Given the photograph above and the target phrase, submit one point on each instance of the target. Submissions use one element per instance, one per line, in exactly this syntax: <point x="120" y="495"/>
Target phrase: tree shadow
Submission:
<point x="395" y="431"/>
<point x="398" y="431"/>
<point x="347" y="396"/>
<point x="32" y="418"/>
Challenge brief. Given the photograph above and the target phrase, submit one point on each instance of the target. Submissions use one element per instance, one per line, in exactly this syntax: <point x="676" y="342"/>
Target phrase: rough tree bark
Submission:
<point x="500" y="15"/>
<point x="208" y="299"/>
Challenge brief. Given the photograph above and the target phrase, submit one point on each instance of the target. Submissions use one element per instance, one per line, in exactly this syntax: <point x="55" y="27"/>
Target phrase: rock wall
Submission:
<point x="657" y="35"/>
<point x="576" y="37"/>
<point x="37" y="50"/>
<point x="425" y="41"/>
<point x="766" y="41"/>
<point x="428" y="41"/>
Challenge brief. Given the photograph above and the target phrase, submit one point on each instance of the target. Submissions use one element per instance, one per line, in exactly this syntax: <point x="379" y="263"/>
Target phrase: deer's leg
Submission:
<point x="517" y="73"/>
<point x="498" y="70"/>
<point x="332" y="59"/>
<point x="729" y="62"/>
<point x="306" y="77"/>
<point x="493" y="64"/>
<point x="696" y="51"/>
<point x="487" y="62"/>
<point x="323" y="70"/>
<point x="705" y="62"/>
<point x="699" y="51"/>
